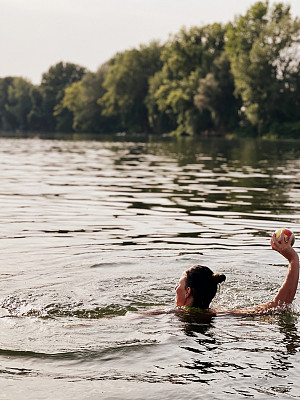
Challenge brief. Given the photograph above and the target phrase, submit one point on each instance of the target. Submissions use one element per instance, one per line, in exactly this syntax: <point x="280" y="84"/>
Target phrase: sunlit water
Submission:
<point x="95" y="233"/>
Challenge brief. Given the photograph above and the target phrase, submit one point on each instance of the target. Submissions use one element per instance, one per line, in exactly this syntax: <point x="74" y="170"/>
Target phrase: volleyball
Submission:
<point x="287" y="234"/>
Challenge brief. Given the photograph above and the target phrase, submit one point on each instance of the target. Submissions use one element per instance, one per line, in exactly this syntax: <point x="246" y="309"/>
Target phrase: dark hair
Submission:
<point x="203" y="283"/>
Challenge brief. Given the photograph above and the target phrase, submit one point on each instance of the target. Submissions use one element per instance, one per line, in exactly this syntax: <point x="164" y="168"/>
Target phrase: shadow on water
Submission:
<point x="195" y="322"/>
<point x="103" y="228"/>
<point x="289" y="339"/>
<point x="287" y="323"/>
<point x="235" y="351"/>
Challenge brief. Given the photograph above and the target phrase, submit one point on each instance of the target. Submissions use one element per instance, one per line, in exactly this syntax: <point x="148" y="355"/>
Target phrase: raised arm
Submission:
<point x="288" y="289"/>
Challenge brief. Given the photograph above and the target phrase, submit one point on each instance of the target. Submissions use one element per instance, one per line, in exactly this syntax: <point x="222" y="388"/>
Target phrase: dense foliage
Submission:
<point x="263" y="49"/>
<point x="242" y="77"/>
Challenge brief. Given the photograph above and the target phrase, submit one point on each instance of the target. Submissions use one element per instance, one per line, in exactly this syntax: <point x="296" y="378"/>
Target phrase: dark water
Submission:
<point x="92" y="233"/>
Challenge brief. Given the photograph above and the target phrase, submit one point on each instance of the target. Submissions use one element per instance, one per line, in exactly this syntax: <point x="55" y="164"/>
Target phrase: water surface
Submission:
<point x="95" y="232"/>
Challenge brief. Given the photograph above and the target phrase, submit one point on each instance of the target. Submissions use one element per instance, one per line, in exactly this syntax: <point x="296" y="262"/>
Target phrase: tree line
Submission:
<point x="239" y="77"/>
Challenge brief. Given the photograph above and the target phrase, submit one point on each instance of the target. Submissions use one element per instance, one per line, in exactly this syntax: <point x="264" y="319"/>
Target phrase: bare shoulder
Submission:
<point x="160" y="311"/>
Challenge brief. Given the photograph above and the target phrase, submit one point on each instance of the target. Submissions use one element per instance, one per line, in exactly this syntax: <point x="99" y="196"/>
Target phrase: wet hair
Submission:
<point x="203" y="283"/>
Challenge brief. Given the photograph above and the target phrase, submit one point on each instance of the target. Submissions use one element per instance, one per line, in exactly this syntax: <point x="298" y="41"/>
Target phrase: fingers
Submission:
<point x="280" y="244"/>
<point x="274" y="242"/>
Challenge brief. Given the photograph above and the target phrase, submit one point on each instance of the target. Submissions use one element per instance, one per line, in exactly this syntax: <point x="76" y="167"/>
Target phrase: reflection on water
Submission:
<point x="93" y="232"/>
<point x="288" y="327"/>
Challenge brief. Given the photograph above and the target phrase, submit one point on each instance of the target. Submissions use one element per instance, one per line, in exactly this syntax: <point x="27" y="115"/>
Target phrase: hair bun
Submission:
<point x="219" y="277"/>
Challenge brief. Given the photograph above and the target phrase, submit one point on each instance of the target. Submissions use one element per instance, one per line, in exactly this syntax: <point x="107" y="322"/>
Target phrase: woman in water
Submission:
<point x="198" y="284"/>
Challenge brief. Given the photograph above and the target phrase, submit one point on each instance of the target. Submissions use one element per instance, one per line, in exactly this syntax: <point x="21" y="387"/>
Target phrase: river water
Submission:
<point x="94" y="233"/>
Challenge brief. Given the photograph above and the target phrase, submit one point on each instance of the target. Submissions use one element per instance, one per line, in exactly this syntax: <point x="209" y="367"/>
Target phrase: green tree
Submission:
<point x="186" y="58"/>
<point x="126" y="85"/>
<point x="81" y="98"/>
<point x="36" y="116"/>
<point x="215" y="93"/>
<point x="263" y="48"/>
<point x="160" y="119"/>
<point x="54" y="83"/>
<point x="7" y="120"/>
<point x="19" y="103"/>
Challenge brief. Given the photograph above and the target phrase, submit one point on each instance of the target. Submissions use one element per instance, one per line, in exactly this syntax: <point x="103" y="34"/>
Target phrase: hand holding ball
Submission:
<point x="288" y="235"/>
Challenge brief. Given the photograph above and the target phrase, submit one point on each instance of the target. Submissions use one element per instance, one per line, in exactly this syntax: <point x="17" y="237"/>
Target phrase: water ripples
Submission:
<point x="95" y="233"/>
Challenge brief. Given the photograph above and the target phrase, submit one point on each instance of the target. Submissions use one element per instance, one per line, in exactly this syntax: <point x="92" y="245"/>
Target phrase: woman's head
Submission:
<point x="197" y="287"/>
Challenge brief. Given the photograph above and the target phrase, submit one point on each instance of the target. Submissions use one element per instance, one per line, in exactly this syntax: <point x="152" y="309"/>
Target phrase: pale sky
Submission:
<point x="36" y="34"/>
